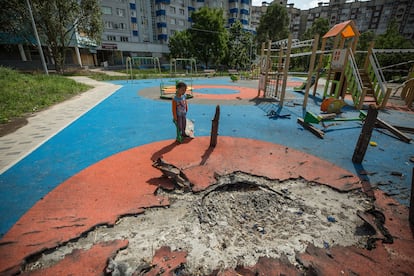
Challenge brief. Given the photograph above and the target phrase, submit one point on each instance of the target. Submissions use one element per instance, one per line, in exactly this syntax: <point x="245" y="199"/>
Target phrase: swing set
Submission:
<point x="190" y="65"/>
<point x="145" y="63"/>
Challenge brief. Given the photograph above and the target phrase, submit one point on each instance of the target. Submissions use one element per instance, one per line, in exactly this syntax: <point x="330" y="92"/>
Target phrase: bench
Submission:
<point x="209" y="72"/>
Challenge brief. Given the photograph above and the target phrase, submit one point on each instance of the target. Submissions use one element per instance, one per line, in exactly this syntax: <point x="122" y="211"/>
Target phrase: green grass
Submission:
<point x="22" y="94"/>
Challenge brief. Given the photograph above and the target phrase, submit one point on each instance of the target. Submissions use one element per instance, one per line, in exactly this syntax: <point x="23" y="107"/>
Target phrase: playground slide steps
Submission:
<point x="366" y="82"/>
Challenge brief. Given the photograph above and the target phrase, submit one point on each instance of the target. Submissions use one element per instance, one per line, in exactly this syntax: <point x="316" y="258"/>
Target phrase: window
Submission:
<point x="172" y="21"/>
<point x="111" y="38"/>
<point x="124" y="38"/>
<point x="120" y="12"/>
<point x="122" y="26"/>
<point x="182" y="12"/>
<point x="109" y="25"/>
<point x="106" y="10"/>
<point x="172" y="10"/>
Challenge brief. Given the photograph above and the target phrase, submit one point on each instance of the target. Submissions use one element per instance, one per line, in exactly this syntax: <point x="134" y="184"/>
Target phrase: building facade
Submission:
<point x="142" y="28"/>
<point x="373" y="15"/>
<point x="138" y="28"/>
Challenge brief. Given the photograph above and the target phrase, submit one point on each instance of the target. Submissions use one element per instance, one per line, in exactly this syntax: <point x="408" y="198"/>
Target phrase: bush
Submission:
<point x="21" y="94"/>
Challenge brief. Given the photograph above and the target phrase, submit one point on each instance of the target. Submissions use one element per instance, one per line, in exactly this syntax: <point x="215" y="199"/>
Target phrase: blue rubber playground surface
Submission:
<point x="127" y="119"/>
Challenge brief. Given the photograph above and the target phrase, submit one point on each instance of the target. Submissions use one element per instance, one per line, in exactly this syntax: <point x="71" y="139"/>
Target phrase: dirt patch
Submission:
<point x="241" y="218"/>
<point x="12" y="126"/>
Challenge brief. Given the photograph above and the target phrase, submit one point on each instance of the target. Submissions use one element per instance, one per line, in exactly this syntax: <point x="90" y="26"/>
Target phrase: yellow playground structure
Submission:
<point x="362" y="86"/>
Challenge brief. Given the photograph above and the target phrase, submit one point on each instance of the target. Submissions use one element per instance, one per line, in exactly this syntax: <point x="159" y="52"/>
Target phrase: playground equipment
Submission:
<point x="190" y="65"/>
<point x="330" y="117"/>
<point x="142" y="63"/>
<point x="332" y="105"/>
<point x="344" y="77"/>
<point x="310" y="118"/>
<point x="271" y="78"/>
<point x="407" y="93"/>
<point x="168" y="91"/>
<point x="304" y="84"/>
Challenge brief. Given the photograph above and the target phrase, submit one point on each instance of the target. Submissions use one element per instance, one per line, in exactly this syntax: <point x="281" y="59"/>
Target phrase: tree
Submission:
<point x="58" y="21"/>
<point x="180" y="45"/>
<point x="273" y="24"/>
<point x="208" y="35"/>
<point x="319" y="26"/>
<point x="15" y="20"/>
<point x="392" y="39"/>
<point x="240" y="47"/>
<point x="365" y="40"/>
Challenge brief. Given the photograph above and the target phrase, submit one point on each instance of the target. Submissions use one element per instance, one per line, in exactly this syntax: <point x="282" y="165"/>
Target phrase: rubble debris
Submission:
<point x="233" y="225"/>
<point x="173" y="173"/>
<point x="376" y="220"/>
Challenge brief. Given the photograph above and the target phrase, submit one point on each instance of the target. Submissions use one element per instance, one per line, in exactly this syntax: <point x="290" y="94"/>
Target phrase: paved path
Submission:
<point x="45" y="124"/>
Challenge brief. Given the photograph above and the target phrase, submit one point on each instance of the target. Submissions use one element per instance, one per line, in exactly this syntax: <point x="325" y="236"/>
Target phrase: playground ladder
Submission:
<point x="350" y="78"/>
<point x="380" y="90"/>
<point x="358" y="89"/>
<point x="354" y="82"/>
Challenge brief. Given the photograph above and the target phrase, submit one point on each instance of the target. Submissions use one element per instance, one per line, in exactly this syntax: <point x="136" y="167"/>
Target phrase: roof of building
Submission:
<point x="346" y="29"/>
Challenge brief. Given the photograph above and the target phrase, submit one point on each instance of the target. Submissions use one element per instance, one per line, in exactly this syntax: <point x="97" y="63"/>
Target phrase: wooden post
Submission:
<point x="279" y="69"/>
<point x="310" y="72"/>
<point x="365" y="136"/>
<point x="261" y="69"/>
<point x="366" y="61"/>
<point x="411" y="214"/>
<point x="386" y="97"/>
<point x="268" y="67"/>
<point x="320" y="64"/>
<point x="285" y="70"/>
<point x="214" y="127"/>
<point x="341" y="90"/>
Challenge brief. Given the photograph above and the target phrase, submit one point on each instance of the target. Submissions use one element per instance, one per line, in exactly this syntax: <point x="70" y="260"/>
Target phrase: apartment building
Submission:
<point x="371" y="15"/>
<point x="142" y="28"/>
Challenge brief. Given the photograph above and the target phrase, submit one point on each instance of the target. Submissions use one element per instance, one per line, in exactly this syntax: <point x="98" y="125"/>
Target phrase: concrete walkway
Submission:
<point x="45" y="124"/>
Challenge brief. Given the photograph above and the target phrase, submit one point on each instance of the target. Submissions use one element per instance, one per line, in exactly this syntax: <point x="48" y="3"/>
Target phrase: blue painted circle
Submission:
<point x="220" y="91"/>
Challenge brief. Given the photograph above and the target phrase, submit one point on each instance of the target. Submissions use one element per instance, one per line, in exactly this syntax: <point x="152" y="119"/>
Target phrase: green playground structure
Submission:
<point x="312" y="118"/>
<point x="303" y="85"/>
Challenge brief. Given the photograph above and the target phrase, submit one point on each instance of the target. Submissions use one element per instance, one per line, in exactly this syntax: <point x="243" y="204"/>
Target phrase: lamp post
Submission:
<point x="42" y="57"/>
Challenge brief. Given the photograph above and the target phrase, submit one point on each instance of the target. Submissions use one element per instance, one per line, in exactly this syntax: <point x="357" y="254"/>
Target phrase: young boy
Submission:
<point x="180" y="108"/>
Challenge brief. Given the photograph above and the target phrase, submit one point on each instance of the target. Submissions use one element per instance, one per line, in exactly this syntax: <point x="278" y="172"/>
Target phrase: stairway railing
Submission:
<point x="354" y="82"/>
<point x="381" y="92"/>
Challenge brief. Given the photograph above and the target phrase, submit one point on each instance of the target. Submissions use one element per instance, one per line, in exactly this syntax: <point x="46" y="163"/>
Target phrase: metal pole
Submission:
<point x="42" y="57"/>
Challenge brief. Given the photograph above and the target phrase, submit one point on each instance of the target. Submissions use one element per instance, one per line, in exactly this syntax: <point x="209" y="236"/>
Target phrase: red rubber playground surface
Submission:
<point x="125" y="183"/>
